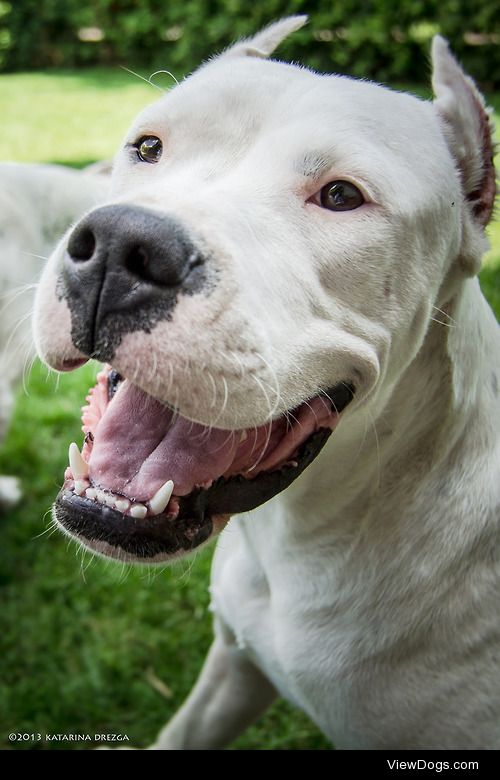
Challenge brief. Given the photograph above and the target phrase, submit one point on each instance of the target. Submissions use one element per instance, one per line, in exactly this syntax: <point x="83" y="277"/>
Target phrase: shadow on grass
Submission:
<point x="78" y="164"/>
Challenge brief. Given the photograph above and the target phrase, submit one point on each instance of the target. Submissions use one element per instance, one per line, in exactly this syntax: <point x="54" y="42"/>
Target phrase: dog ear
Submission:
<point x="267" y="40"/>
<point x="468" y="129"/>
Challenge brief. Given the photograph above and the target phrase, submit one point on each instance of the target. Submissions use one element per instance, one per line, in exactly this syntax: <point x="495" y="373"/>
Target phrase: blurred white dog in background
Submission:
<point x="37" y="204"/>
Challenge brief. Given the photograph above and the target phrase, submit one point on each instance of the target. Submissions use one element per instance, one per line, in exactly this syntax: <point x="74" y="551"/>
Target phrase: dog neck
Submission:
<point x="408" y="433"/>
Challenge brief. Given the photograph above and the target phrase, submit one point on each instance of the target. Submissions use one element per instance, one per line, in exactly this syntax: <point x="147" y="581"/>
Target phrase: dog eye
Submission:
<point x="149" y="148"/>
<point x="341" y="196"/>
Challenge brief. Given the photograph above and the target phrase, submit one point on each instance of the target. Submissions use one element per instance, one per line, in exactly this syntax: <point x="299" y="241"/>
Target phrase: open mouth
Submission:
<point x="149" y="484"/>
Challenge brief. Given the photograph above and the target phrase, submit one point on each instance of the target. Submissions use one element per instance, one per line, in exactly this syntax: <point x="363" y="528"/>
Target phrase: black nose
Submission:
<point x="124" y="269"/>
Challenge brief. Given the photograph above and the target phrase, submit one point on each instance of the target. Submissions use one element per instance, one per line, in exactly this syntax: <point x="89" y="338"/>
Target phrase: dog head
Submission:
<point x="267" y="264"/>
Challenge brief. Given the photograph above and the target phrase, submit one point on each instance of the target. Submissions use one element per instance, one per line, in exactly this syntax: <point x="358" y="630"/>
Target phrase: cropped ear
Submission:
<point x="267" y="40"/>
<point x="468" y="130"/>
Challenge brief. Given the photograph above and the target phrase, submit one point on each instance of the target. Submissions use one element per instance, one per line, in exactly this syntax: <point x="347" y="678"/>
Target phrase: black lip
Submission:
<point x="143" y="539"/>
<point x="160" y="536"/>
<point x="237" y="494"/>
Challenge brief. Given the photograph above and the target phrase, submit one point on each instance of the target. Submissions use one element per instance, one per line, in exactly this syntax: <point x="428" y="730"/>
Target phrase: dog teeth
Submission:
<point x="77" y="464"/>
<point x="139" y="511"/>
<point x="106" y="498"/>
<point x="161" y="498"/>
<point x="243" y="437"/>
<point x="81" y="486"/>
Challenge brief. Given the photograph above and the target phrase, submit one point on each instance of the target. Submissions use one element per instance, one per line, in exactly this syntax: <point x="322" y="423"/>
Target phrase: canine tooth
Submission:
<point x="81" y="486"/>
<point x="244" y="436"/>
<point x="161" y="498"/>
<point x="77" y="464"/>
<point x="122" y="504"/>
<point x="139" y="511"/>
<point x="91" y="493"/>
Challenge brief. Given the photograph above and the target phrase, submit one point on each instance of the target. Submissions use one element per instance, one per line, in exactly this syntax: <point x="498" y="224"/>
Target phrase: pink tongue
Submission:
<point x="138" y="446"/>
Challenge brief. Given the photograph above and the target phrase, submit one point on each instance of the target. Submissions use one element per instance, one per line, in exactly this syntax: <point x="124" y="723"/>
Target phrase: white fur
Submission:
<point x="368" y="592"/>
<point x="37" y="203"/>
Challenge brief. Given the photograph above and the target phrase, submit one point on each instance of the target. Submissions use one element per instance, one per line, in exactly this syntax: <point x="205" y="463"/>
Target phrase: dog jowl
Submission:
<point x="264" y="271"/>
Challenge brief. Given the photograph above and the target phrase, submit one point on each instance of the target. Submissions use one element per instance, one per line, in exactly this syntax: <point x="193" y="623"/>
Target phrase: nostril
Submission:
<point x="137" y="262"/>
<point x="341" y="395"/>
<point x="81" y="244"/>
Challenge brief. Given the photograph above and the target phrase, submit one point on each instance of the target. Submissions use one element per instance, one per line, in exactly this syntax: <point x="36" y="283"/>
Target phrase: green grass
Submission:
<point x="84" y="642"/>
<point x="70" y="117"/>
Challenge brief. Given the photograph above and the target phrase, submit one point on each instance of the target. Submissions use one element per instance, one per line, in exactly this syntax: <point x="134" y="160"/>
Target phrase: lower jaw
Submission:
<point x="159" y="541"/>
<point x="202" y="514"/>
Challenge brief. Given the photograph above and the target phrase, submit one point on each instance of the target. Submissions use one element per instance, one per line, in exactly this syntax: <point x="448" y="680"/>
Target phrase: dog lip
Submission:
<point x="146" y="539"/>
<point x="92" y="523"/>
<point x="237" y="494"/>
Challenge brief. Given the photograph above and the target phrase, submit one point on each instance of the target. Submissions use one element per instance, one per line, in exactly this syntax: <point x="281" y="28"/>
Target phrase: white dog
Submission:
<point x="287" y="254"/>
<point x="37" y="204"/>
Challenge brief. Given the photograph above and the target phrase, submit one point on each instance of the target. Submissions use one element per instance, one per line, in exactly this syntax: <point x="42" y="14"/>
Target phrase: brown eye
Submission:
<point x="341" y="196"/>
<point x="149" y="148"/>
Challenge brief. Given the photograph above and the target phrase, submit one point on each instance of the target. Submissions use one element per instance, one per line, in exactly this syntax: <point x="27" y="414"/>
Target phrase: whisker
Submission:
<point x="276" y="389"/>
<point x="445" y="314"/>
<point x="124" y="572"/>
<point x="377" y="447"/>
<point x="238" y="360"/>
<point x="269" y="425"/>
<point x="32" y="254"/>
<point x="444" y="324"/>
<point x="13" y="333"/>
<point x="306" y="403"/>
<point x="12" y="295"/>
<point x="214" y="390"/>
<point x="166" y="72"/>
<point x="51" y="527"/>
<point x="224" y="402"/>
<point x="142" y="78"/>
<point x="29" y="362"/>
<point x="264" y="446"/>
<point x="231" y="435"/>
<point x="83" y="569"/>
<point x="189" y="564"/>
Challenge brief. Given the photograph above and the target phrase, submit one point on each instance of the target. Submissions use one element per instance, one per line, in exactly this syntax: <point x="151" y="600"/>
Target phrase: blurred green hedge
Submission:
<point x="386" y="40"/>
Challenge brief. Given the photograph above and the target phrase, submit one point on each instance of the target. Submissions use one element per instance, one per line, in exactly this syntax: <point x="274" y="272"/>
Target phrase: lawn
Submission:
<point x="88" y="646"/>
